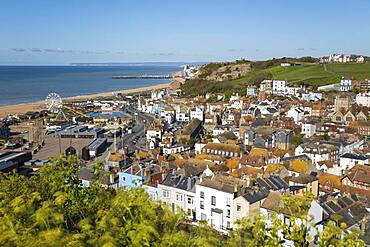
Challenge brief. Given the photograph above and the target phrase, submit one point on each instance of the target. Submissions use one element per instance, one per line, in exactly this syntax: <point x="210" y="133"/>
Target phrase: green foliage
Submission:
<point x="297" y="140"/>
<point x="53" y="209"/>
<point x="309" y="72"/>
<point x="257" y="78"/>
<point x="195" y="87"/>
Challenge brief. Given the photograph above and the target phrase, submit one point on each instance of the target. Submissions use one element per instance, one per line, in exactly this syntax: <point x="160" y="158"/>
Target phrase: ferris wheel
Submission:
<point x="53" y="103"/>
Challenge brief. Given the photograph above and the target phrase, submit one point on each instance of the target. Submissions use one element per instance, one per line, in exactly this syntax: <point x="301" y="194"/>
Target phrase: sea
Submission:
<point x="23" y="84"/>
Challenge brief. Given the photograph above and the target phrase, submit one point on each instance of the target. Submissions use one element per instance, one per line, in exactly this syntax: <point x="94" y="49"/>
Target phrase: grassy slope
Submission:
<point x="308" y="73"/>
<point x="314" y="74"/>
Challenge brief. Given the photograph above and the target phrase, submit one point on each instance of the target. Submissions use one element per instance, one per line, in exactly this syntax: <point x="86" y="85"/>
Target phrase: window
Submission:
<point x="228" y="224"/>
<point x="203" y="217"/>
<point x="228" y="213"/>
<point x="179" y="197"/>
<point x="228" y="201"/>
<point x="238" y="207"/>
<point x="166" y="194"/>
<point x="201" y="204"/>
<point x="201" y="194"/>
<point x="190" y="200"/>
<point x="213" y="200"/>
<point x="124" y="179"/>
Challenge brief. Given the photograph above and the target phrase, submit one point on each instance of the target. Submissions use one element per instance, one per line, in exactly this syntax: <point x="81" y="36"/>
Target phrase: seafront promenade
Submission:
<point x="38" y="105"/>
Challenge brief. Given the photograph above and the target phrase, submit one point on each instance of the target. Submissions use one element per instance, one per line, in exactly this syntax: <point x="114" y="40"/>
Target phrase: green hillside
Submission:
<point x="313" y="74"/>
<point x="307" y="73"/>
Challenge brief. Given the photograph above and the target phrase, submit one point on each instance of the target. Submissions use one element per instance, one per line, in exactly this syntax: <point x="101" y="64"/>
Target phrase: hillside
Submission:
<point x="314" y="74"/>
<point x="308" y="72"/>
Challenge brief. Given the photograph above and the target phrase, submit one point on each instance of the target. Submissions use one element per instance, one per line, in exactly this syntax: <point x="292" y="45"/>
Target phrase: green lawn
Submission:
<point x="314" y="74"/>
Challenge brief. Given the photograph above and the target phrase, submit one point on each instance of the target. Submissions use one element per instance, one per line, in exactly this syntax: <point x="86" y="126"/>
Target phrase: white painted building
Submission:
<point x="234" y="96"/>
<point x="176" y="149"/>
<point x="308" y="129"/>
<point x="182" y="117"/>
<point x="278" y="87"/>
<point x="153" y="133"/>
<point x="237" y="104"/>
<point x="178" y="192"/>
<point x="297" y="113"/>
<point x="220" y="129"/>
<point x="311" y="96"/>
<point x="197" y="112"/>
<point x="345" y="85"/>
<point x="363" y="99"/>
<point x="349" y="160"/>
<point x="315" y="152"/>
<point x="214" y="203"/>
<point x="198" y="147"/>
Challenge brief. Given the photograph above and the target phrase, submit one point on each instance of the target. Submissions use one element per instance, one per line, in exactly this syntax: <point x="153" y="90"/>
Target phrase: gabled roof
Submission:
<point x="272" y="183"/>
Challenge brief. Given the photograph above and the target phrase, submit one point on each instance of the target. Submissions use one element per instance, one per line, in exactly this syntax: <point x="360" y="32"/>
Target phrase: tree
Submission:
<point x="52" y="208"/>
<point x="297" y="140"/>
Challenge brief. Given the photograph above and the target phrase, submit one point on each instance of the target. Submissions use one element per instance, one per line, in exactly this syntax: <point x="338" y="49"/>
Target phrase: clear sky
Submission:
<point x="66" y="31"/>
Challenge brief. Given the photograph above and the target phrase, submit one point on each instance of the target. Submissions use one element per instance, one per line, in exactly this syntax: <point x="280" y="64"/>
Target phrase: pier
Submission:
<point x="142" y="77"/>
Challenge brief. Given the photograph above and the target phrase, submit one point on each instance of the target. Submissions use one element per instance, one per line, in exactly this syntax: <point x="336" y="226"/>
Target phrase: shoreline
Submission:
<point x="38" y="105"/>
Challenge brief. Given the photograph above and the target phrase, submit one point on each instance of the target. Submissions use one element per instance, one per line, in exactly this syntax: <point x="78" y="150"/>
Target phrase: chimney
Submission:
<point x="189" y="183"/>
<point x="236" y="187"/>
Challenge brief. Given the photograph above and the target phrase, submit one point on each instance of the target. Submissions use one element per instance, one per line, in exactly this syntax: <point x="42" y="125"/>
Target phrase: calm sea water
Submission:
<point x="21" y="84"/>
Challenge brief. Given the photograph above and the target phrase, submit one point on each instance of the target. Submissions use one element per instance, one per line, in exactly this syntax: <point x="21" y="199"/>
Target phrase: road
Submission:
<point x="142" y="120"/>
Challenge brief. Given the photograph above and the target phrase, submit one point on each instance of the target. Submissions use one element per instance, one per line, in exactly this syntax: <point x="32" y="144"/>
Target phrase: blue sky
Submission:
<point x="66" y="31"/>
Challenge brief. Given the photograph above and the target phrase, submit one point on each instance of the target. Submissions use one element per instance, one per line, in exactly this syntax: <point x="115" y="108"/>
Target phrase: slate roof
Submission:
<point x="272" y="183"/>
<point x="88" y="175"/>
<point x="180" y="181"/>
<point x="354" y="156"/>
<point x="255" y="196"/>
<point x="350" y="209"/>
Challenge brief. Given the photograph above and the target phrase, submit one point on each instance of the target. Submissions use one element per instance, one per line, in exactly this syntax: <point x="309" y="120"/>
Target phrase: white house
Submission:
<point x="198" y="147"/>
<point x="237" y="104"/>
<point x="182" y="117"/>
<point x="234" y="96"/>
<point x="311" y="96"/>
<point x="349" y="160"/>
<point x="279" y="87"/>
<point x="176" y="149"/>
<point x="308" y="129"/>
<point x="363" y="99"/>
<point x="297" y="113"/>
<point x="178" y="192"/>
<point x="315" y="152"/>
<point x="197" y="113"/>
<point x="220" y="129"/>
<point x="214" y="201"/>
<point x="153" y="133"/>
<point x="345" y="85"/>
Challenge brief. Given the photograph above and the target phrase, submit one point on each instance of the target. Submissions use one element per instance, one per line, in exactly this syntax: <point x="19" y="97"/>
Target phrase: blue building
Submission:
<point x="251" y="91"/>
<point x="132" y="177"/>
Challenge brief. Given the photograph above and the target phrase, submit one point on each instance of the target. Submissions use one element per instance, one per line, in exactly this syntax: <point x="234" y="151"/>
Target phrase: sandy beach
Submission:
<point x="39" y="105"/>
